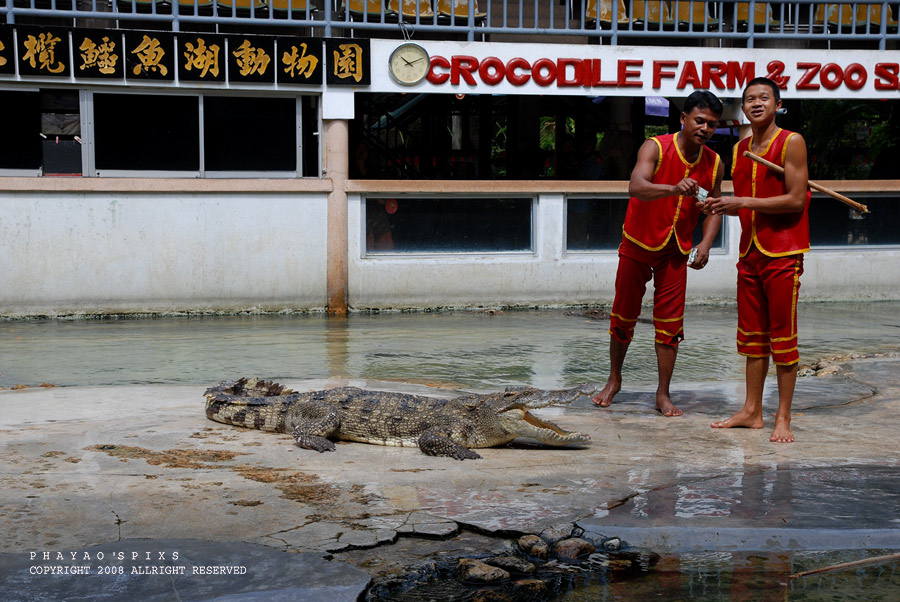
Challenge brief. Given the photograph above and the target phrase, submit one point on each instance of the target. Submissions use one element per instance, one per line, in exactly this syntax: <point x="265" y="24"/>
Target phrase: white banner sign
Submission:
<point x="561" y="69"/>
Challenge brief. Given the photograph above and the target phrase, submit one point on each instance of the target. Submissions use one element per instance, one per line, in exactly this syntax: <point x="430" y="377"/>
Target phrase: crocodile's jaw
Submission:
<point x="519" y="422"/>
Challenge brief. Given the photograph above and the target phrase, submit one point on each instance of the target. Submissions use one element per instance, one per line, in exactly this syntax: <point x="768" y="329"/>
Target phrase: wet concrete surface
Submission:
<point x="159" y="570"/>
<point x="133" y="466"/>
<point x="122" y="455"/>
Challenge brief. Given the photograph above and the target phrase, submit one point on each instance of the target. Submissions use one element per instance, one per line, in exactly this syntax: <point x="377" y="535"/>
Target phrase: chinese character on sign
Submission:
<point x="251" y="60"/>
<point x="41" y="52"/>
<point x="150" y="53"/>
<point x="298" y="61"/>
<point x="102" y="57"/>
<point x="201" y="57"/>
<point x="348" y="62"/>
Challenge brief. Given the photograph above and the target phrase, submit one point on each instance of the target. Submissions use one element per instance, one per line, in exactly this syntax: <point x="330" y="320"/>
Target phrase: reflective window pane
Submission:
<point x="447" y="225"/>
<point x="832" y="223"/>
<point x="596" y="224"/>
<point x="147" y="132"/>
<point x="250" y="134"/>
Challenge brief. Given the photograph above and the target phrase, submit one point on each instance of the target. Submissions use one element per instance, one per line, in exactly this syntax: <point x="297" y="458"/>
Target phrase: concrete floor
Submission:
<point x="140" y="470"/>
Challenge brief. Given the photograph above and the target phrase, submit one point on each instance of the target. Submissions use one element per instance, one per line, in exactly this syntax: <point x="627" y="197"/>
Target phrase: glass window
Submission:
<point x="21" y="148"/>
<point x="161" y="133"/>
<point x="138" y="132"/>
<point x="596" y="224"/>
<point x="249" y="134"/>
<point x="61" y="132"/>
<point x="831" y="223"/>
<point x="447" y="225"/>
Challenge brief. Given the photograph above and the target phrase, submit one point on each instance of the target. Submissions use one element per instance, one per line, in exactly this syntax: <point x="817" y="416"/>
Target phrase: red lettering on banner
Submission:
<point x="625" y="73"/>
<point x="438" y="78"/>
<point x="776" y="68"/>
<point x="888" y="76"/>
<point x="831" y="76"/>
<point x="491" y="78"/>
<point x="538" y="77"/>
<point x="562" y="66"/>
<point x="855" y="76"/>
<point x="717" y="75"/>
<point x="463" y="66"/>
<point x="712" y="74"/>
<point x="739" y="74"/>
<point x="689" y="75"/>
<point x="598" y="81"/>
<point x="658" y="72"/>
<point x="518" y="79"/>
<point x="806" y="80"/>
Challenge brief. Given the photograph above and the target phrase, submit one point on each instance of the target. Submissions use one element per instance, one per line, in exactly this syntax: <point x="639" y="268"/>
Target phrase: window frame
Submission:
<point x="531" y="252"/>
<point x="88" y="139"/>
<point x="724" y="230"/>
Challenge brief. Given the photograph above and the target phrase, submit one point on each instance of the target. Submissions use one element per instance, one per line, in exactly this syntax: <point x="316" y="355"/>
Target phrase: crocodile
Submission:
<point x="438" y="427"/>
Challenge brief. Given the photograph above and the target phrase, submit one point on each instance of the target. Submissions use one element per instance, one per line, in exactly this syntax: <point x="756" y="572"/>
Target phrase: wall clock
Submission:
<point x="409" y="64"/>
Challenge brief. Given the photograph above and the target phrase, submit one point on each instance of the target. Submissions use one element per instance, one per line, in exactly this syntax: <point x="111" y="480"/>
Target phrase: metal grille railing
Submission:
<point x="864" y="23"/>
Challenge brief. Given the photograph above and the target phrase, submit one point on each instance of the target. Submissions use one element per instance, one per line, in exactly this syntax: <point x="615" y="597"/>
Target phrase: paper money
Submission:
<point x="702" y="193"/>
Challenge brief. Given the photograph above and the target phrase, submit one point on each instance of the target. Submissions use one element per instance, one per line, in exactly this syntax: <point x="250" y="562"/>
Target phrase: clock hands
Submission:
<point x="411" y="63"/>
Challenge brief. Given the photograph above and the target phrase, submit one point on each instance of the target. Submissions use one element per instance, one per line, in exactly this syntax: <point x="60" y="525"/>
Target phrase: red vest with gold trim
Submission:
<point x="650" y="224"/>
<point x="775" y="234"/>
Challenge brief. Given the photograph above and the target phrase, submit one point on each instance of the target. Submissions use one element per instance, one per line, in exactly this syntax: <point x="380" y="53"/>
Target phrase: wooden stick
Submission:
<point x="846" y="565"/>
<point x="779" y="169"/>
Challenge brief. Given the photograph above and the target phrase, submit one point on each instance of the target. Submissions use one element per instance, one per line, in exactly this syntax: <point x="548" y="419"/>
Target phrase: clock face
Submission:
<point x="409" y="64"/>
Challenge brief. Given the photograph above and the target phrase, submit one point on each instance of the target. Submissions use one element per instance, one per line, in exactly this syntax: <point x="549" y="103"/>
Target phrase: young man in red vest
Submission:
<point x="773" y="210"/>
<point x="657" y="238"/>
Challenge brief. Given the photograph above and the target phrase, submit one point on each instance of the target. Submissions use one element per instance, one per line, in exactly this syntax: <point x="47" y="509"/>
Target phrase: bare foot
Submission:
<point x="782" y="432"/>
<point x="605" y="397"/>
<point x="741" y="419"/>
<point x="665" y="406"/>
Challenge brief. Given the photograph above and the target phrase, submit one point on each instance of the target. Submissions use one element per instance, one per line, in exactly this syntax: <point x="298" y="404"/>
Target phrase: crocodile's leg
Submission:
<point x="313" y="423"/>
<point x="434" y="442"/>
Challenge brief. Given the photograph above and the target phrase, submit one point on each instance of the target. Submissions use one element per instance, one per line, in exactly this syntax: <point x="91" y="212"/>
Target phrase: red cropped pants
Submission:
<point x="767" y="292"/>
<point x="668" y="268"/>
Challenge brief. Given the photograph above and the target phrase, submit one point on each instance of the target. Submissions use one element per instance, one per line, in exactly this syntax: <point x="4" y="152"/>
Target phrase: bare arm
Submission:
<point x="711" y="225"/>
<point x="796" y="176"/>
<point x="640" y="186"/>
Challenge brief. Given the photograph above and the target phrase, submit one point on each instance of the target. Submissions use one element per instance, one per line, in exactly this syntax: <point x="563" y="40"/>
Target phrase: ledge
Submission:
<point x="406" y="187"/>
<point x="164" y="185"/>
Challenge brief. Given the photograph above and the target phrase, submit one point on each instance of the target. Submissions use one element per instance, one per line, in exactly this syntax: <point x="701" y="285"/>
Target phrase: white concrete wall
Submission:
<point x="550" y="276"/>
<point x="71" y="252"/>
<point x="76" y="252"/>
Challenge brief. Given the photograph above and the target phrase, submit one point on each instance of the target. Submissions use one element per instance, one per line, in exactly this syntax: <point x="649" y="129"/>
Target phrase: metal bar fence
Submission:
<point x="731" y="22"/>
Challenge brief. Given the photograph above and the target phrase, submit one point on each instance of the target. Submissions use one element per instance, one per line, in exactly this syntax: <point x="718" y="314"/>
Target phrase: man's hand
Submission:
<point x="702" y="257"/>
<point x="723" y="205"/>
<point x="686" y="187"/>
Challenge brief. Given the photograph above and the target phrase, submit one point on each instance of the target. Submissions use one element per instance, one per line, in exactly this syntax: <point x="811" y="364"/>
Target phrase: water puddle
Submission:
<point x="701" y="577"/>
<point x="482" y="351"/>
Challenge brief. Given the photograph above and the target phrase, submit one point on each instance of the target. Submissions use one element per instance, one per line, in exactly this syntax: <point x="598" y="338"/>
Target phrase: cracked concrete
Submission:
<point x="95" y="466"/>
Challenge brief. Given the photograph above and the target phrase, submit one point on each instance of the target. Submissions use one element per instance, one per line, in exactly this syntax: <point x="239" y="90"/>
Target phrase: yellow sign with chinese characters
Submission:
<point x="100" y="54"/>
<point x="150" y="54"/>
<point x="43" y="52"/>
<point x="201" y="59"/>
<point x="348" y="62"/>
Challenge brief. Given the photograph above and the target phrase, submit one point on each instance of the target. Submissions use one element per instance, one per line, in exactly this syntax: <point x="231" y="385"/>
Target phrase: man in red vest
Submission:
<point x="657" y="239"/>
<point x="774" y="214"/>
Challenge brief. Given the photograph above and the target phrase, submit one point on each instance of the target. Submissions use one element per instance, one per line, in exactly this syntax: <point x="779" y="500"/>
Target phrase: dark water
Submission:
<point x="727" y="576"/>
<point x="548" y="348"/>
<point x="700" y="577"/>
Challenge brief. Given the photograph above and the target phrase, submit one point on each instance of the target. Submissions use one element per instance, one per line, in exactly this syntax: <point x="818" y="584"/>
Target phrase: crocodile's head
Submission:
<point x="518" y="421"/>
